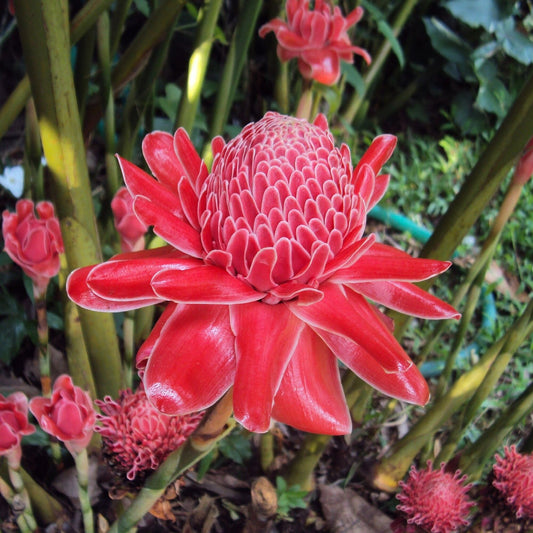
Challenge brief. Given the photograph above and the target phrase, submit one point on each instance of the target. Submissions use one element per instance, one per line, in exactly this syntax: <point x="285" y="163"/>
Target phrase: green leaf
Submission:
<point x="289" y="497"/>
<point x="386" y="30"/>
<point x="143" y="7"/>
<point x="447" y="43"/>
<point x="353" y="77"/>
<point x="14" y="331"/>
<point x="515" y="43"/>
<point x="493" y="97"/>
<point x="236" y="447"/>
<point x="475" y="13"/>
<point x="54" y="320"/>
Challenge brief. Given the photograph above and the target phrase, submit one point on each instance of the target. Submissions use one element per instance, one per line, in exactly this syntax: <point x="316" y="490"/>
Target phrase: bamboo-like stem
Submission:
<point x="392" y="468"/>
<point x="45" y="44"/>
<point x="21" y="495"/>
<point x="281" y="88"/>
<point x="81" y="460"/>
<point x="475" y="457"/>
<point x="305" y="104"/>
<point x="82" y="70"/>
<point x="128" y="330"/>
<point x="266" y="451"/>
<point x="42" y="335"/>
<point x="378" y="60"/>
<point x="117" y="23"/>
<point x="33" y="153"/>
<point x="240" y="42"/>
<point x="214" y="426"/>
<point x="198" y="61"/>
<point x="84" y="19"/>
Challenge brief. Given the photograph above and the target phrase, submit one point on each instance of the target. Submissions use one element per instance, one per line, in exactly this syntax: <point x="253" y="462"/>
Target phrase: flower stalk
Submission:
<point x="20" y="498"/>
<point x="42" y="335"/>
<point x="81" y="461"/>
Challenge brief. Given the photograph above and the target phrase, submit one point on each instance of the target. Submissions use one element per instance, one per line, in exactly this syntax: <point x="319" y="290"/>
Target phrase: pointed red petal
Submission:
<point x="143" y="353"/>
<point x="79" y="292"/>
<point x="351" y="316"/>
<point x="406" y="298"/>
<point x="203" y="285"/>
<point x="382" y="262"/>
<point x="134" y="275"/>
<point x="310" y="397"/>
<point x="192" y="363"/>
<point x="194" y="167"/>
<point x="380" y="187"/>
<point x="265" y="338"/>
<point x="377" y="154"/>
<point x="158" y="150"/>
<point x="170" y="228"/>
<point x="408" y="385"/>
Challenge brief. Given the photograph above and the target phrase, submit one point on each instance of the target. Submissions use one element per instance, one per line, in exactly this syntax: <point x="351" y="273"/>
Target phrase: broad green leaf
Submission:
<point x="475" y="13"/>
<point x="236" y="447"/>
<point x="447" y="43"/>
<point x="515" y="43"/>
<point x="15" y="330"/>
<point x="353" y="77"/>
<point x="493" y="97"/>
<point x="143" y="7"/>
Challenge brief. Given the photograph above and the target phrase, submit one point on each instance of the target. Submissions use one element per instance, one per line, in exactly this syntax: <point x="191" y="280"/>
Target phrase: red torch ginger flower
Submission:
<point x="267" y="274"/>
<point x="513" y="477"/>
<point x="434" y="500"/>
<point x="68" y="415"/>
<point x="318" y="38"/>
<point x="34" y="243"/>
<point x="130" y="228"/>
<point x="13" y="426"/>
<point x="136" y="435"/>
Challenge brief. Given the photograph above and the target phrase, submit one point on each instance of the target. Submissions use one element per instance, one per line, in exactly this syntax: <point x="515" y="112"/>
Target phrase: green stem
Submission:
<point x="82" y="468"/>
<point x="301" y="468"/>
<point x="378" y="60"/>
<point x="117" y="23"/>
<point x="82" y="71"/>
<point x="281" y="88"/>
<point x="128" y="329"/>
<point x="305" y="103"/>
<point x="45" y="43"/>
<point x="33" y="153"/>
<point x="392" y="468"/>
<point x="198" y="61"/>
<point x="240" y="42"/>
<point x="266" y="451"/>
<point x="42" y="335"/>
<point x="22" y="496"/>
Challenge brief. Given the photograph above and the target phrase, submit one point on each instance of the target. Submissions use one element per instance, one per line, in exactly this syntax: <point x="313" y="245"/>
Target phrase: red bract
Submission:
<point x="13" y="425"/>
<point x="267" y="274"/>
<point x="524" y="168"/>
<point x="130" y="228"/>
<point x="137" y="437"/>
<point x="68" y="415"/>
<point x="318" y="38"/>
<point x="34" y="244"/>
<point x="434" y="500"/>
<point x="513" y="477"/>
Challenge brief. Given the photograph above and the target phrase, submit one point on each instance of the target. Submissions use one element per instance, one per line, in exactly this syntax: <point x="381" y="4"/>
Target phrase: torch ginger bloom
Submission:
<point x="433" y="500"/>
<point x="513" y="477"/>
<point x="318" y="38"/>
<point x="34" y="243"/>
<point x="68" y="415"/>
<point x="129" y="227"/>
<point x="137" y="437"/>
<point x="267" y="274"/>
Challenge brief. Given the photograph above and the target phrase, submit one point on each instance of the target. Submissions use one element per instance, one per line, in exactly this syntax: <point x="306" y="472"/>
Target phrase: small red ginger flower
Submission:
<point x="433" y="500"/>
<point x="318" y="38"/>
<point x="513" y="475"/>
<point x="136" y="435"/>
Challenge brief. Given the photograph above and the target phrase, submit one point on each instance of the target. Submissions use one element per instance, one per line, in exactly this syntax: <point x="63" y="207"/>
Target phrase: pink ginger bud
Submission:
<point x="513" y="477"/>
<point x="434" y="500"/>
<point x="68" y="415"/>
<point x="130" y="228"/>
<point x="524" y="168"/>
<point x="34" y="243"/>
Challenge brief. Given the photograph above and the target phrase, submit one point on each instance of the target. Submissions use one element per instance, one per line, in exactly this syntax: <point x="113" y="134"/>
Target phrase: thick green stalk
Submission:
<point x="198" y="61"/>
<point x="120" y="14"/>
<point x="392" y="468"/>
<point x="281" y="88"/>
<point x="378" y="60"/>
<point x="84" y="19"/>
<point x="301" y="467"/>
<point x="214" y="427"/>
<point x="478" y="454"/>
<point x="46" y="46"/>
<point x="245" y="29"/>
<point x="42" y="335"/>
<point x="22" y="495"/>
<point x="82" y="469"/>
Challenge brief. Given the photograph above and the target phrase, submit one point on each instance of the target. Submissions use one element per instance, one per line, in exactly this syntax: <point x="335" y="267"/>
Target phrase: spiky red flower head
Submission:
<point x="136" y="435"/>
<point x="434" y="500"/>
<point x="513" y="475"/>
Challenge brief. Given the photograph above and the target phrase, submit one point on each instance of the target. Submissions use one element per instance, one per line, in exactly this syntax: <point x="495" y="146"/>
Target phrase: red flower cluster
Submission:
<point x="68" y="415"/>
<point x="136" y="435"/>
<point x="267" y="274"/>
<point x="13" y="426"/>
<point x="513" y="477"/>
<point x="433" y="500"/>
<point x="34" y="243"/>
<point x="130" y="228"/>
<point x="318" y="38"/>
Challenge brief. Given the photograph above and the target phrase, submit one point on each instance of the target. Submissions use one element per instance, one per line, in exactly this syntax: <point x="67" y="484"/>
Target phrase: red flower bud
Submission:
<point x="524" y="168"/>
<point x="34" y="243"/>
<point x="130" y="228"/>
<point x="13" y="426"/>
<point x="68" y="415"/>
